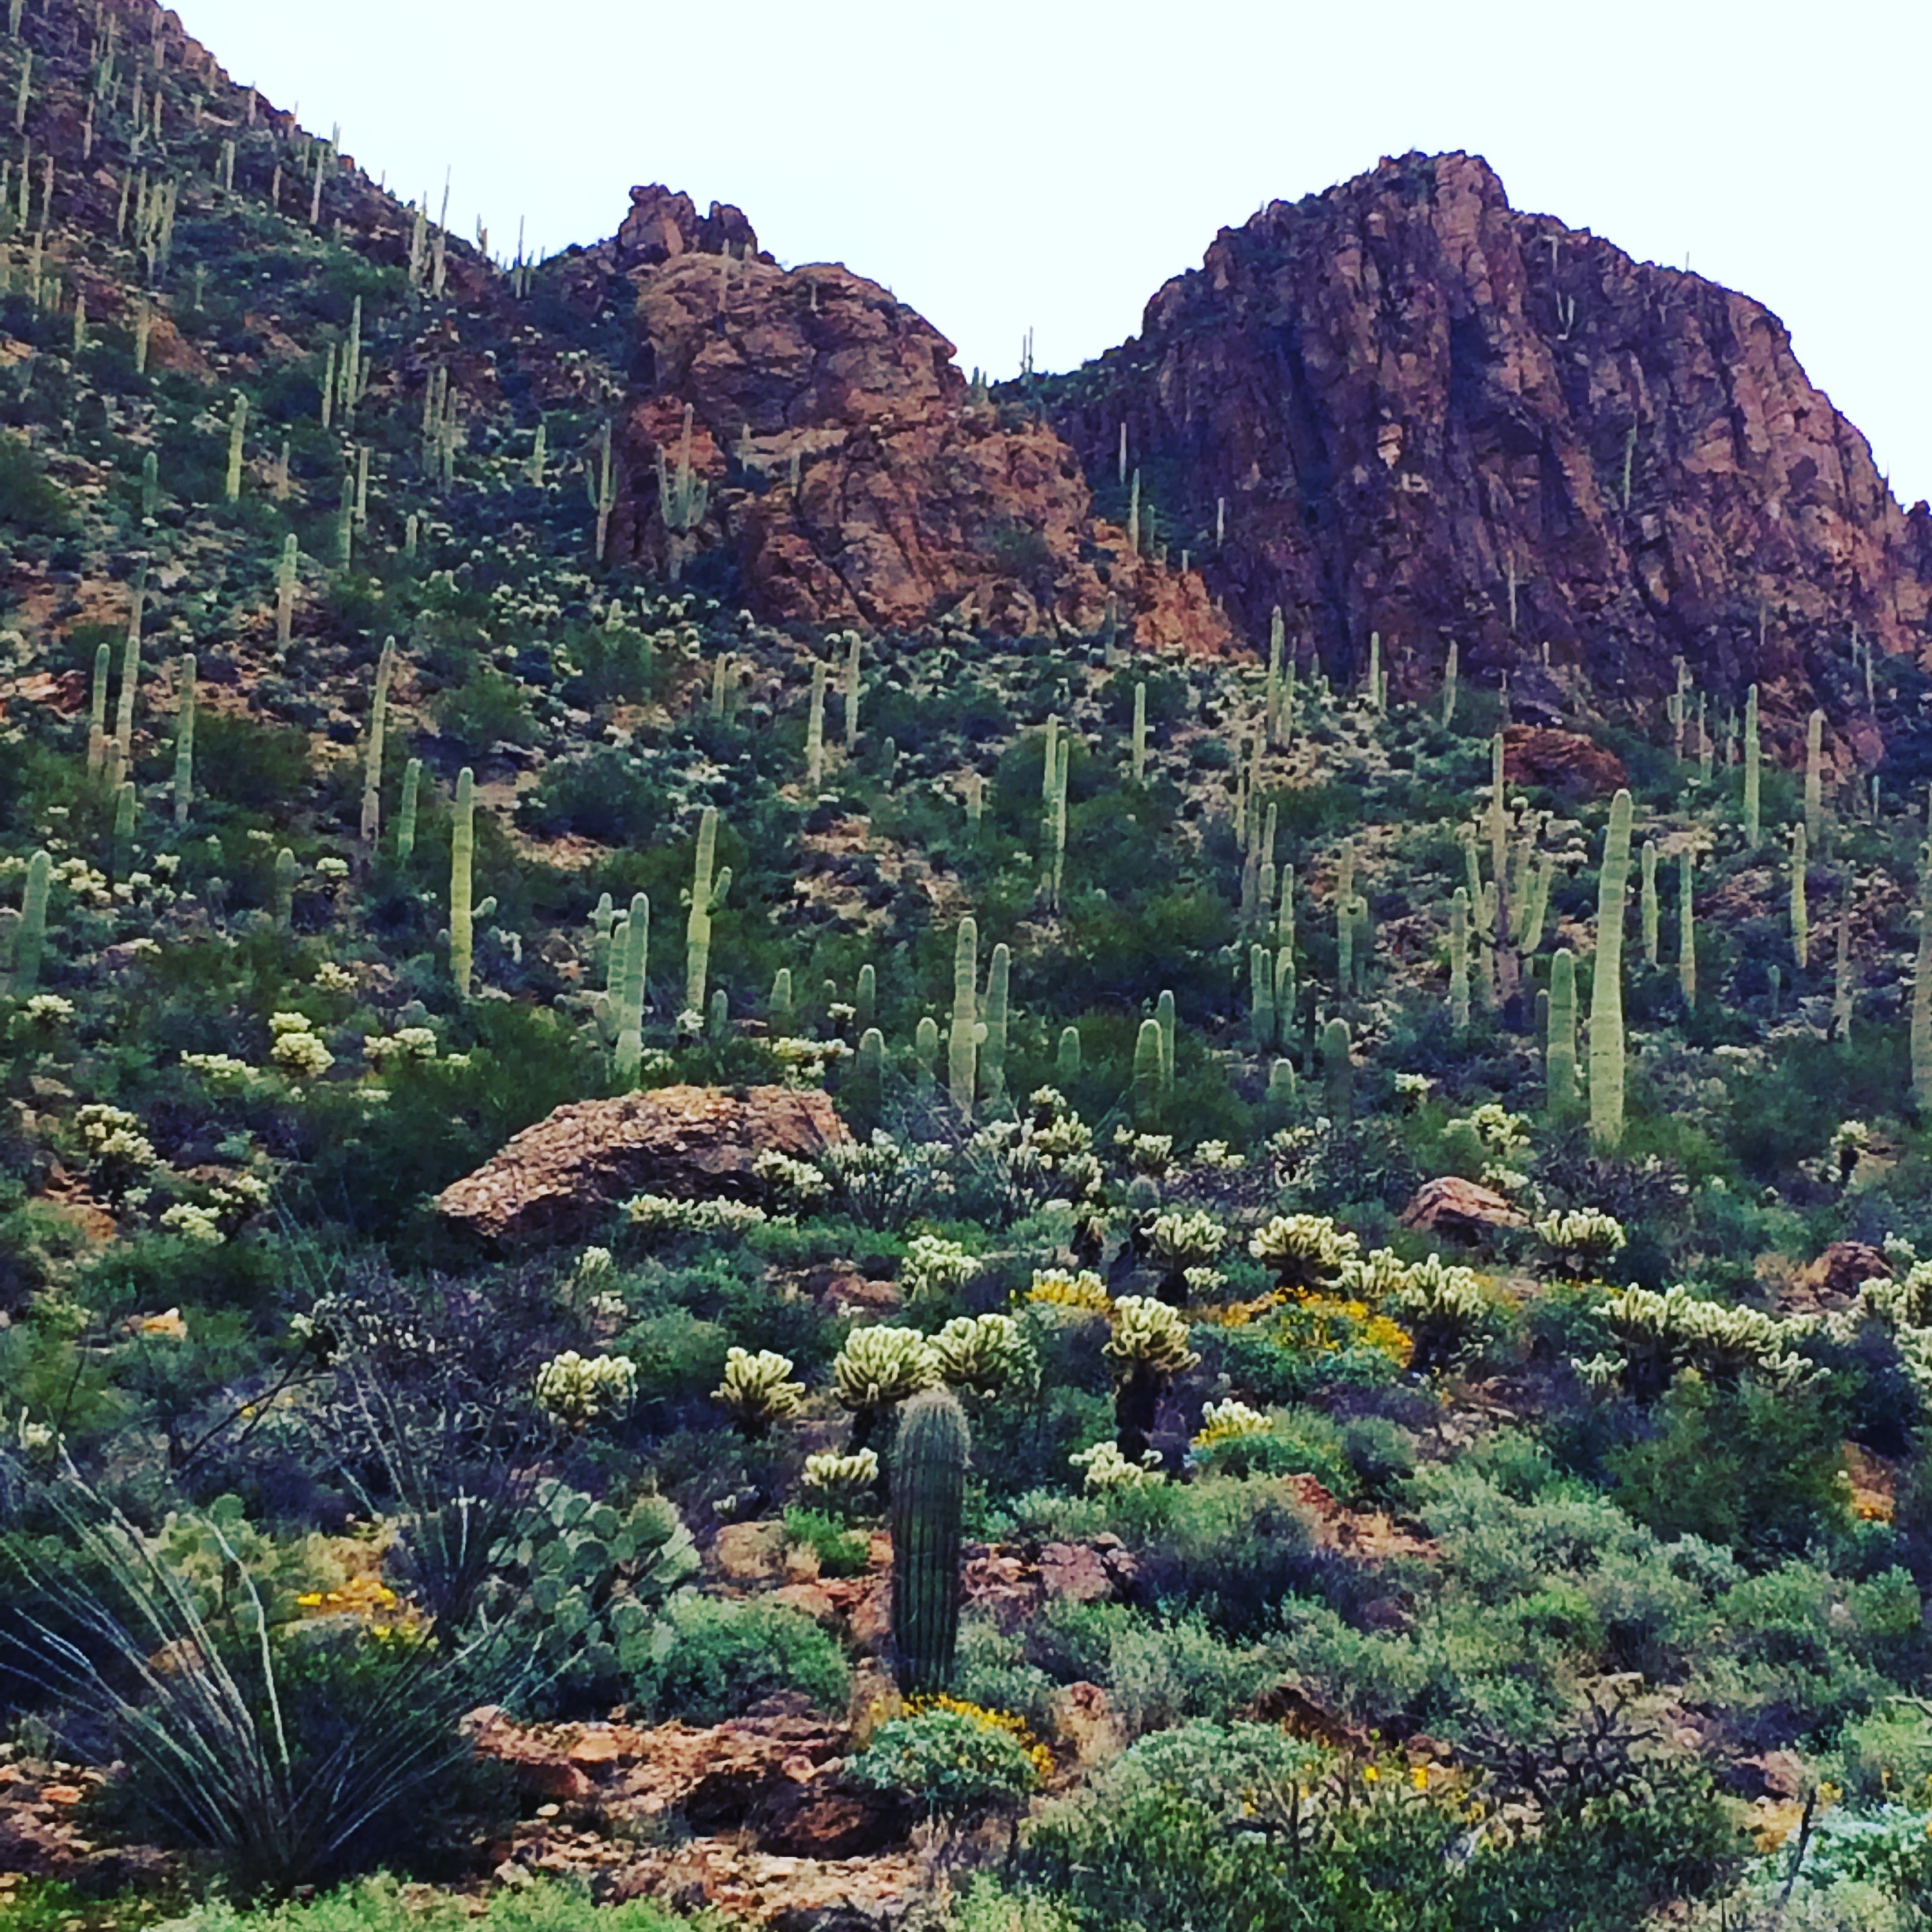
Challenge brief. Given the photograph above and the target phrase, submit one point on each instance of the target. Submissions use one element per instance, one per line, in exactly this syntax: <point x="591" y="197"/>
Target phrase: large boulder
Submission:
<point x="563" y="1179"/>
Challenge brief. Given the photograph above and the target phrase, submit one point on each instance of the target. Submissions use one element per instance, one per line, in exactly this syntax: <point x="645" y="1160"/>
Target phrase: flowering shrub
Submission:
<point x="953" y="1756"/>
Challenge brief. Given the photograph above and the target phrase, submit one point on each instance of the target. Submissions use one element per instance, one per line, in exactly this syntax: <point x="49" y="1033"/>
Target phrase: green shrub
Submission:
<point x="714" y="1658"/>
<point x="841" y="1551"/>
<point x="948" y="1761"/>
<point x="381" y="1905"/>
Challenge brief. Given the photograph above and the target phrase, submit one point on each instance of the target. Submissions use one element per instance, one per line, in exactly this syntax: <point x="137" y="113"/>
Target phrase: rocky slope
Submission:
<point x="1419" y="404"/>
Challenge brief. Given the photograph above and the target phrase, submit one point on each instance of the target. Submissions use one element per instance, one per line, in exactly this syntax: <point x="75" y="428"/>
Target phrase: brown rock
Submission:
<point x="1088" y="1725"/>
<point x="750" y="1552"/>
<point x="1834" y="1277"/>
<point x="1451" y="1206"/>
<point x="564" y="1178"/>
<point x="1417" y="404"/>
<point x="1563" y="761"/>
<point x="537" y="1764"/>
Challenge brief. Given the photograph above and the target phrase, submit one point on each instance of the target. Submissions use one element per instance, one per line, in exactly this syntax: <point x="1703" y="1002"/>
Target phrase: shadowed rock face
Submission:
<point x="853" y="475"/>
<point x="1410" y="396"/>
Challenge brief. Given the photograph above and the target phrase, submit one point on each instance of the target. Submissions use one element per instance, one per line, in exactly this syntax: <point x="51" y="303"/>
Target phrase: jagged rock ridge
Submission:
<point x="1413" y="397"/>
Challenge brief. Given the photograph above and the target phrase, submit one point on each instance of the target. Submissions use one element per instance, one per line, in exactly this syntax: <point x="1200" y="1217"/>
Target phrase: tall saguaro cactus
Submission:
<point x="992" y="1053"/>
<point x="1921" y="992"/>
<point x="30" y="937"/>
<point x="1459" y="959"/>
<point x="630" y="1044"/>
<point x="1801" y="913"/>
<point x="1814" y="779"/>
<point x="371" y="764"/>
<point x="122" y="754"/>
<point x="963" y="1041"/>
<point x="1559" y="1059"/>
<point x="815" y="729"/>
<point x="1686" y="930"/>
<point x="184" y="742"/>
<point x="1754" y="763"/>
<point x="462" y="907"/>
<point x="406" y="813"/>
<point x="1606" y="981"/>
<point x="929" y="1460"/>
<point x="708" y="887"/>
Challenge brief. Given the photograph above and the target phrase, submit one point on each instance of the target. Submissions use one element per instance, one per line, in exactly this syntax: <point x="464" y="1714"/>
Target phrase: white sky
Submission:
<point x="1048" y="164"/>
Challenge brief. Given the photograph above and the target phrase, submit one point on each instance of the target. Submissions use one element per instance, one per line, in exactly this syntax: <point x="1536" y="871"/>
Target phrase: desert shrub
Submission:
<point x="951" y="1757"/>
<point x="259" y="767"/>
<point x="714" y="1658"/>
<point x="30" y="501"/>
<point x="381" y="1905"/>
<point x="842" y="1550"/>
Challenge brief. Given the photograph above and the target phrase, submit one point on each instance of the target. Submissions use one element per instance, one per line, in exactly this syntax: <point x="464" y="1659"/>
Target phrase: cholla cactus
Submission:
<point x="1582" y="1241"/>
<point x="1180" y="1241"/>
<point x="1305" y="1251"/>
<point x="1662" y="1333"/>
<point x="841" y="1480"/>
<point x="881" y="1182"/>
<point x="1375" y="1277"/>
<point x="1444" y="1308"/>
<point x="1225" y="1422"/>
<point x="113" y="1140"/>
<point x="576" y="1392"/>
<point x="1107" y="1469"/>
<point x="297" y="1048"/>
<point x="1054" y="1288"/>
<point x="1147" y="1333"/>
<point x="878" y="1367"/>
<point x="934" y="1266"/>
<point x="758" y="1390"/>
<point x="795" y="1186"/>
<point x="1149" y="1154"/>
<point x="985" y="1353"/>
<point x="659" y="1215"/>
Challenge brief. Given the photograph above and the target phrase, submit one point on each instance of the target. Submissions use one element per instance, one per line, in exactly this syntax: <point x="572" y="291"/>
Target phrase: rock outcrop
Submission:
<point x="563" y="1179"/>
<point x="1431" y="415"/>
<point x="851" y="473"/>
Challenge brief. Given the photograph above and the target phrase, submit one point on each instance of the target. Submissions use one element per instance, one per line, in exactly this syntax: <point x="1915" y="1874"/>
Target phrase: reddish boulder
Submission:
<point x="564" y="1178"/>
<point x="1561" y="761"/>
<point x="1836" y="1277"/>
<point x="1452" y="1205"/>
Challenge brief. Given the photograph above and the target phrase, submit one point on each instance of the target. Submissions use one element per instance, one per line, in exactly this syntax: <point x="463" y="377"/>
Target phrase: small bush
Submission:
<point x="717" y="1658"/>
<point x="951" y="1760"/>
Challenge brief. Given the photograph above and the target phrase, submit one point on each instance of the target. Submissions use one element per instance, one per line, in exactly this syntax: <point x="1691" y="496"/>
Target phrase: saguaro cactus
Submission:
<point x="963" y="1042"/>
<point x="1459" y="959"/>
<point x="707" y="893"/>
<point x="1841" y="984"/>
<point x="1686" y="931"/>
<point x="815" y="729"/>
<point x="1814" y="779"/>
<point x="925" y="1054"/>
<point x="1606" y="981"/>
<point x="1801" y="916"/>
<point x="372" y="763"/>
<point x="1338" y="1070"/>
<point x="630" y="1046"/>
<point x="1450" y="682"/>
<point x="1147" y="1077"/>
<point x="929" y="1460"/>
<point x="30" y="936"/>
<point x="285" y="592"/>
<point x="97" y="712"/>
<point x="406" y="813"/>
<point x="1067" y="1057"/>
<point x="851" y="692"/>
<point x="993" y="1054"/>
<point x="122" y="754"/>
<point x="184" y="742"/>
<point x="1559" y="1059"/>
<point x="1139" y="764"/>
<point x="1261" y="996"/>
<point x="1753" y="760"/>
<point x="1922" y="991"/>
<point x="238" y="429"/>
<point x="1166" y="1019"/>
<point x="1651" y="910"/>
<point x="462" y="853"/>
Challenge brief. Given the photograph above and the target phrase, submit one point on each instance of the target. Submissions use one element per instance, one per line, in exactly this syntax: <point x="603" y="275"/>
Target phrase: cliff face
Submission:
<point x="852" y="473"/>
<point x="1419" y="404"/>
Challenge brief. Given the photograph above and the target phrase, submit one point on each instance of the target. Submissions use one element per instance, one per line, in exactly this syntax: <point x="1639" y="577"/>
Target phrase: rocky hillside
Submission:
<point x="1417" y="410"/>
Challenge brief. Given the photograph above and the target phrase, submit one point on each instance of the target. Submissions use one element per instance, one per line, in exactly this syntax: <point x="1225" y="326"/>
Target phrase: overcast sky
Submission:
<point x="1047" y="164"/>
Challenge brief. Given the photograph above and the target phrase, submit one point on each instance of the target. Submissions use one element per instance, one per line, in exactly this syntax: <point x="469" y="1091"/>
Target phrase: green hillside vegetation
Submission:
<point x="1564" y="1569"/>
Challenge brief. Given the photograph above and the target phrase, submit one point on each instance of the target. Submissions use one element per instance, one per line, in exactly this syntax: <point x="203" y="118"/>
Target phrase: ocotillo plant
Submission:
<point x="184" y="741"/>
<point x="630" y="1045"/>
<point x="1559" y="1052"/>
<point x="372" y="763"/>
<point x="1606" y="981"/>
<point x="406" y="813"/>
<point x="462" y="855"/>
<point x="963" y="1042"/>
<point x="1753" y="759"/>
<point x="707" y="893"/>
<point x="930" y="1457"/>
<point x="993" y="1054"/>
<point x="30" y="936"/>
